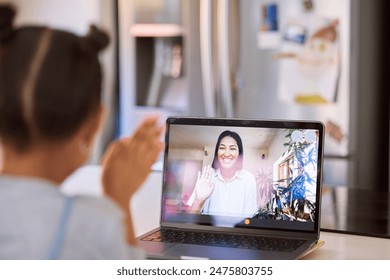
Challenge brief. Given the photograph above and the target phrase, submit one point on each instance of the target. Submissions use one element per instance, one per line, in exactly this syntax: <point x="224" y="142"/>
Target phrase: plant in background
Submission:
<point x="264" y="187"/>
<point x="296" y="168"/>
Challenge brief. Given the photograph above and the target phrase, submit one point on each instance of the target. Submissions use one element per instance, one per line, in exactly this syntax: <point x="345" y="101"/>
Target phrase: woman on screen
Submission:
<point x="225" y="188"/>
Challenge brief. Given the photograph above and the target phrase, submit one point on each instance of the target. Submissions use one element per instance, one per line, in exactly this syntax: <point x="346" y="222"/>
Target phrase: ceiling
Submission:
<point x="203" y="136"/>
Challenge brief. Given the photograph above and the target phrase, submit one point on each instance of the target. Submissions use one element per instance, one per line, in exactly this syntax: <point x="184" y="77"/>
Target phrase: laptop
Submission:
<point x="238" y="189"/>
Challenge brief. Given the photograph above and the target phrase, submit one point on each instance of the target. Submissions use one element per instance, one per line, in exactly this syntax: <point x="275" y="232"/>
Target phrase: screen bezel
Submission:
<point x="254" y="123"/>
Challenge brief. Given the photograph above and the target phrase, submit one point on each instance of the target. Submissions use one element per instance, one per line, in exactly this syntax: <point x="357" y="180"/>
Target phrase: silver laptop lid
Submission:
<point x="242" y="174"/>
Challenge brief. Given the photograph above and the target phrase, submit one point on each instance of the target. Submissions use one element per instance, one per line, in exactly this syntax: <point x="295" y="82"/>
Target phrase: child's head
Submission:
<point x="50" y="81"/>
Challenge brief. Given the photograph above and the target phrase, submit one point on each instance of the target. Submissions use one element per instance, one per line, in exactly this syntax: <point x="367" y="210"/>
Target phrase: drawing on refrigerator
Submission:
<point x="310" y="63"/>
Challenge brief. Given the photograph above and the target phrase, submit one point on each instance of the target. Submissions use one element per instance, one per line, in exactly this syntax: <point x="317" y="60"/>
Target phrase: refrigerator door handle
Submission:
<point x="206" y="57"/>
<point x="224" y="58"/>
<point x="155" y="84"/>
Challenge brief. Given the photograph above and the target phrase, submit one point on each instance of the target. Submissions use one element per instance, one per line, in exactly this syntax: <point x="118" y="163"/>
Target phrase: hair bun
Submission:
<point x="95" y="40"/>
<point x="7" y="15"/>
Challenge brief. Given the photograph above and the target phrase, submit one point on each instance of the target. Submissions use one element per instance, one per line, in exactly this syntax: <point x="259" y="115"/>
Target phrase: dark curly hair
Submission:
<point x="50" y="81"/>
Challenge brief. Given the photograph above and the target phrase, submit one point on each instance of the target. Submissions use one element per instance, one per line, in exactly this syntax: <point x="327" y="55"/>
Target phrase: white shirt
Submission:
<point x="30" y="211"/>
<point x="236" y="197"/>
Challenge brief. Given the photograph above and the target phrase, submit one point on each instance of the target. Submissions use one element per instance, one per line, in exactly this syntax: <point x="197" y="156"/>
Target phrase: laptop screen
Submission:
<point x="242" y="173"/>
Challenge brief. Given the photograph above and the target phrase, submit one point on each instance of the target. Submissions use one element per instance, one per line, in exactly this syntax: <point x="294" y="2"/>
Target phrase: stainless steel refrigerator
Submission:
<point x="248" y="59"/>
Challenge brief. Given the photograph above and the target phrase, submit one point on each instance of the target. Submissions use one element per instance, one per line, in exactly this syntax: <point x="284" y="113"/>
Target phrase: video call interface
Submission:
<point x="247" y="177"/>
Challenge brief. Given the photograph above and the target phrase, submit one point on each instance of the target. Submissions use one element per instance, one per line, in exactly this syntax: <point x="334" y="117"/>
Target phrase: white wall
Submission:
<point x="73" y="15"/>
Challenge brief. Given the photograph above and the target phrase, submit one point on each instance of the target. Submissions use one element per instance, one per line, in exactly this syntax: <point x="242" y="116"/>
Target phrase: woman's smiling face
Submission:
<point x="227" y="153"/>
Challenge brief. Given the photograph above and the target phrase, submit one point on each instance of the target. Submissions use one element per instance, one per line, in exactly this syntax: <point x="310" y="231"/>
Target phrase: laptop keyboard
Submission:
<point x="225" y="240"/>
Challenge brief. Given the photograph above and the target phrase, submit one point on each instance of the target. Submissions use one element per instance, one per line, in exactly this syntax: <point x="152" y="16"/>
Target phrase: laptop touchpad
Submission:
<point x="189" y="251"/>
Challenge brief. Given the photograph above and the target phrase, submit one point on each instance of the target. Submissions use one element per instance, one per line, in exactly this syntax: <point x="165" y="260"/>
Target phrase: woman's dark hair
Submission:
<point x="236" y="137"/>
<point x="50" y="81"/>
